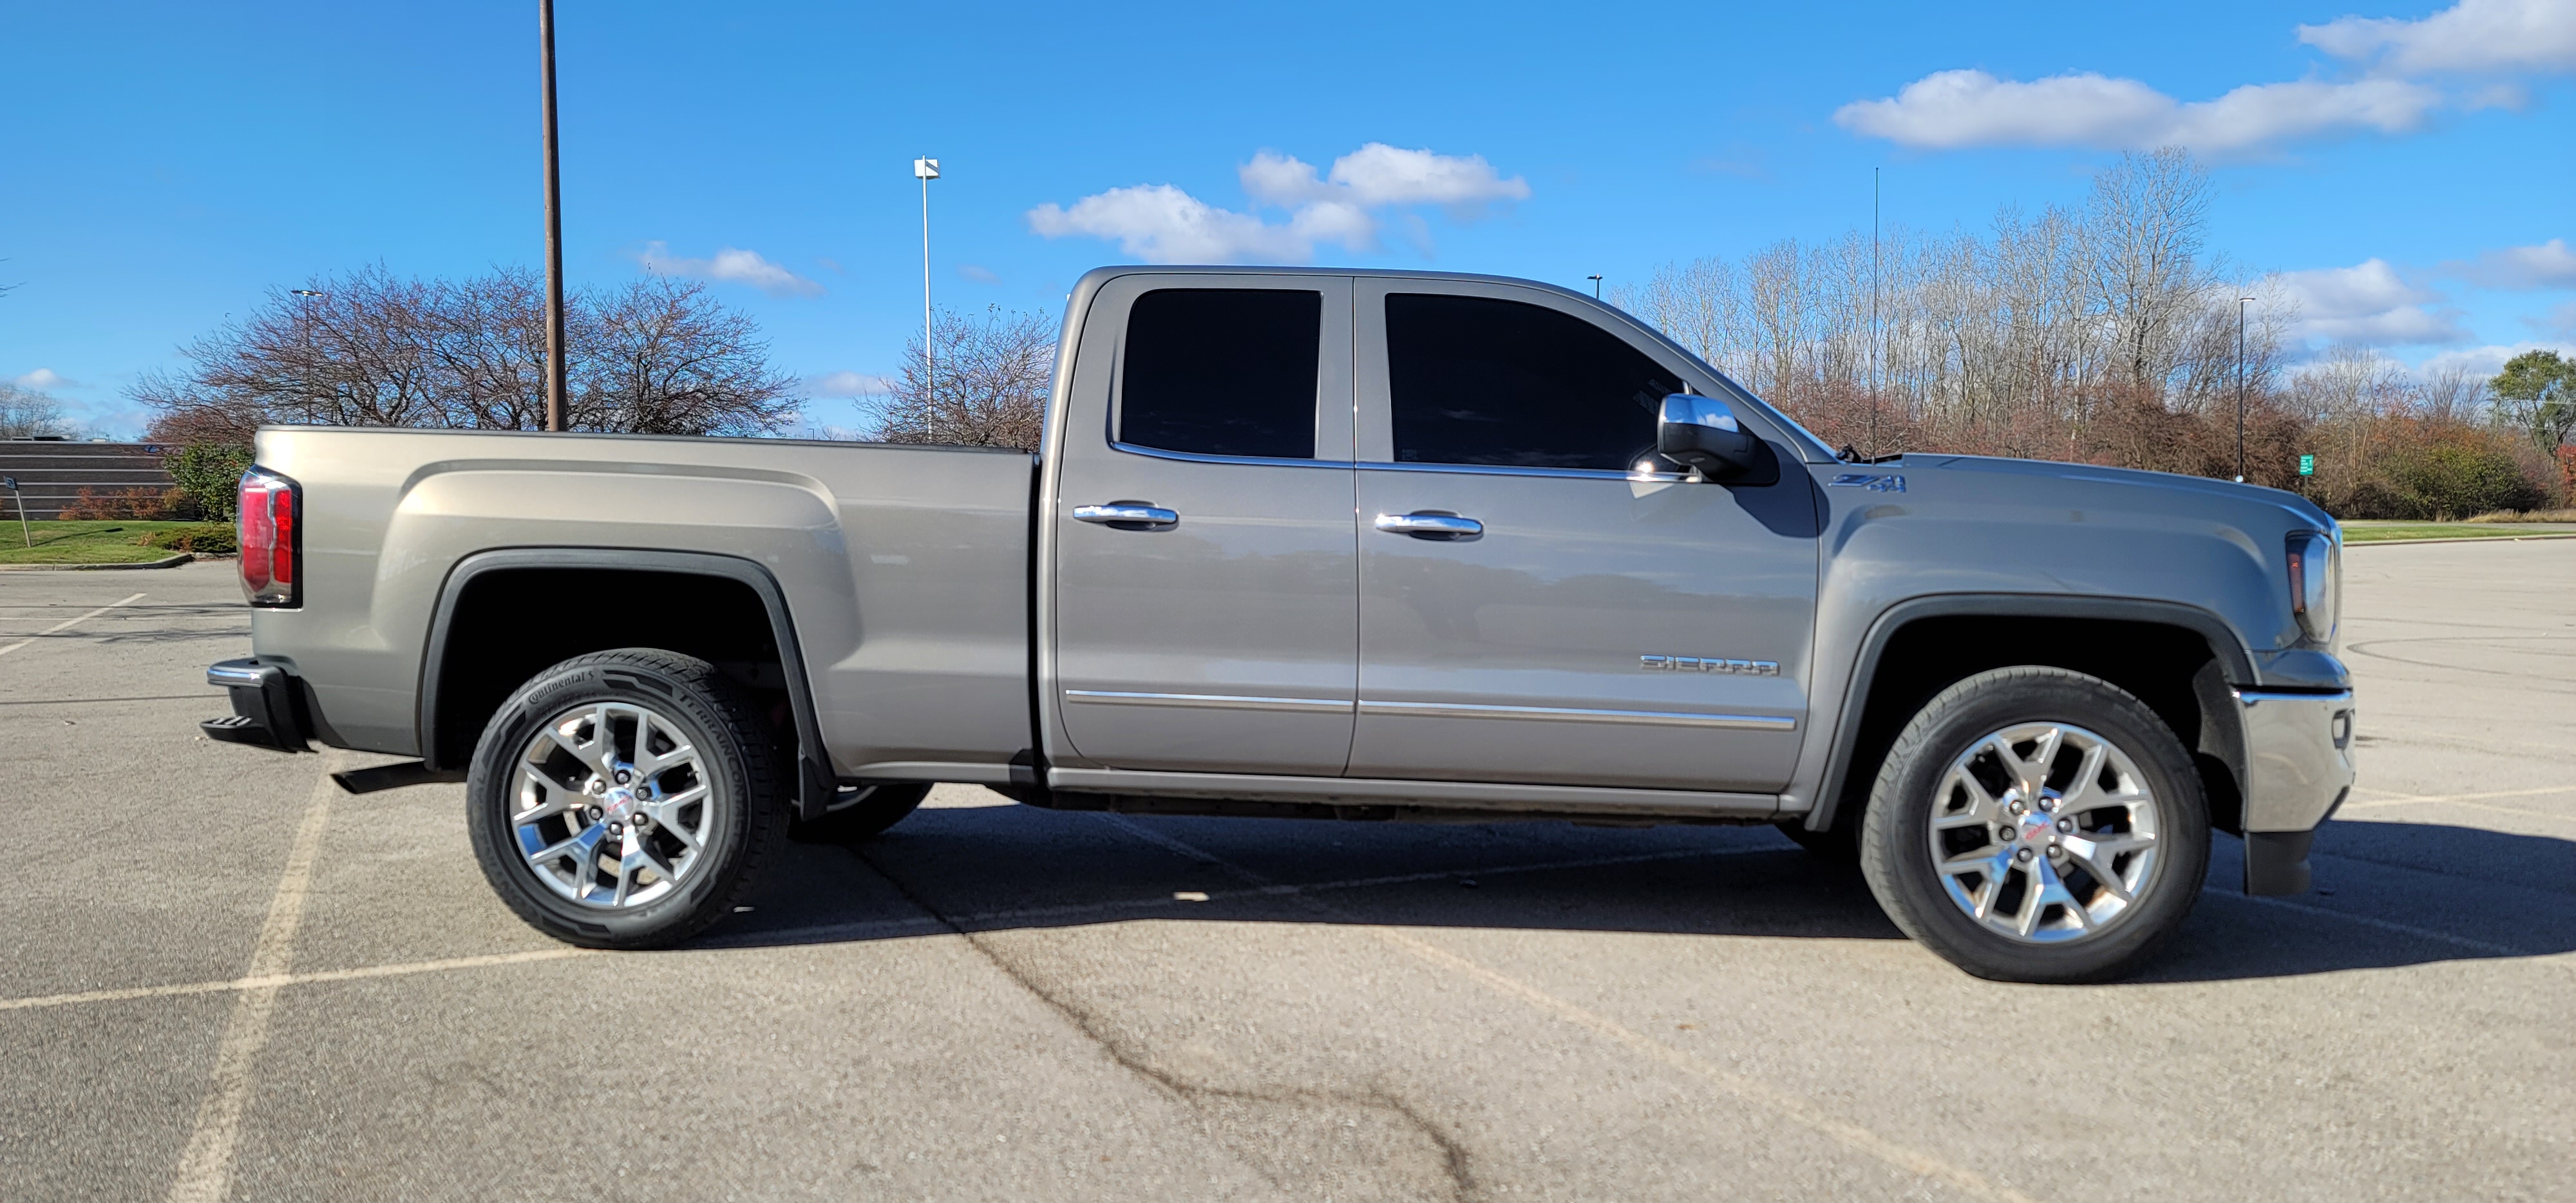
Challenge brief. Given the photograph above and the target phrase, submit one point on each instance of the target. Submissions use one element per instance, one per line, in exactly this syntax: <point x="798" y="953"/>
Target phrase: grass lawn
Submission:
<point x="2391" y="532"/>
<point x="114" y="542"/>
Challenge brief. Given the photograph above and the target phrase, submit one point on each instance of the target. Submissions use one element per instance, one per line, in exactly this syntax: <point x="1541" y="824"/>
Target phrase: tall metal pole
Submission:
<point x="2240" y="388"/>
<point x="1596" y="286"/>
<point x="1874" y="381"/>
<point x="926" y="169"/>
<point x="554" y="229"/>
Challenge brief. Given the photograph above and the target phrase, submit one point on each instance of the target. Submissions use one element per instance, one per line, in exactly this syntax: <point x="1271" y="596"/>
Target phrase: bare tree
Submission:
<point x="2144" y="228"/>
<point x="370" y="349"/>
<point x="990" y="389"/>
<point x="26" y="413"/>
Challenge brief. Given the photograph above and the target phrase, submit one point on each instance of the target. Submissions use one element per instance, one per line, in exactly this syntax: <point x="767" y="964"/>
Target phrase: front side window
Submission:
<point x="1473" y="380"/>
<point x="1222" y="371"/>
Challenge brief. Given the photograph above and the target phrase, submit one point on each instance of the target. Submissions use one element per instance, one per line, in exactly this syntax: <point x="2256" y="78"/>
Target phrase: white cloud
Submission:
<point x="847" y="384"/>
<point x="1163" y="224"/>
<point x="2368" y="303"/>
<point x="2484" y="361"/>
<point x="43" y="379"/>
<point x="2548" y="265"/>
<point x="2471" y="36"/>
<point x="1951" y="109"/>
<point x="729" y="264"/>
<point x="1377" y="175"/>
<point x="978" y="273"/>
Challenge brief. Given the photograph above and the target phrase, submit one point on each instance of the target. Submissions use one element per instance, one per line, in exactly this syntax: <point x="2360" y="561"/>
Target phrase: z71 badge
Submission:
<point x="1709" y="664"/>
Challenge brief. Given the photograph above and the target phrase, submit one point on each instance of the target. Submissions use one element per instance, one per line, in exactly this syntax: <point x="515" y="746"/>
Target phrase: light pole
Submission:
<point x="2240" y="388"/>
<point x="554" y="225"/>
<point x="1596" y="286"/>
<point x="926" y="170"/>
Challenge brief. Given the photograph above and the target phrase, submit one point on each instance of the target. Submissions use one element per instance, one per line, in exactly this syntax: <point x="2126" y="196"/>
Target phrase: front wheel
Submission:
<point x="2037" y="825"/>
<point x="623" y="798"/>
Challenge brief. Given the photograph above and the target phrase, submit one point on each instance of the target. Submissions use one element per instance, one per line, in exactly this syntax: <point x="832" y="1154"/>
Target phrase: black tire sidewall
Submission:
<point x="687" y="693"/>
<point x="1897" y="827"/>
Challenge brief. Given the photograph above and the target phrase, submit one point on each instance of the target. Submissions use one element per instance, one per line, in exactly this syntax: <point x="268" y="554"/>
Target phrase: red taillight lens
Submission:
<point x="268" y="538"/>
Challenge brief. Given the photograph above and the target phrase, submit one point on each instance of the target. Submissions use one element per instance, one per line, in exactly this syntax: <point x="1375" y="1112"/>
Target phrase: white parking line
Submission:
<point x="61" y="626"/>
<point x="2397" y="799"/>
<point x="206" y="1169"/>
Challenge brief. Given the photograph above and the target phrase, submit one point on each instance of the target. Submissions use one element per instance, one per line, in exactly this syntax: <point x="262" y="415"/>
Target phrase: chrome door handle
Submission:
<point x="1128" y="515"/>
<point x="1431" y="525"/>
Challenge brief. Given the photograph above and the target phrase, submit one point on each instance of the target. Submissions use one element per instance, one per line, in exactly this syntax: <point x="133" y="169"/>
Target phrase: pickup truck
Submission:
<point x="1329" y="544"/>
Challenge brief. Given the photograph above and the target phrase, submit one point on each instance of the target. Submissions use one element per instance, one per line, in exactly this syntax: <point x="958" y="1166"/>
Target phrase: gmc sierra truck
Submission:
<point x="1329" y="544"/>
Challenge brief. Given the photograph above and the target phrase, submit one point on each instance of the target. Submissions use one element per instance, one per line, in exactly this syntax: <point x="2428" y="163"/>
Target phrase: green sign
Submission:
<point x="2307" y="465"/>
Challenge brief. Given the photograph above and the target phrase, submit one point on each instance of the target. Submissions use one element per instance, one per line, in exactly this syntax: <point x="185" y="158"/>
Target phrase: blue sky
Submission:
<point x="166" y="164"/>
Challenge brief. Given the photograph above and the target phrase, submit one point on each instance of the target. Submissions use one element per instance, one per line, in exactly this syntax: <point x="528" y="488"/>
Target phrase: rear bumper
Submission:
<point x="268" y="709"/>
<point x="2299" y="769"/>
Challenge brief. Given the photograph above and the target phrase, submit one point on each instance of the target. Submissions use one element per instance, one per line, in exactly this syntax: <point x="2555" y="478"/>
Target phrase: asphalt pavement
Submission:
<point x="224" y="979"/>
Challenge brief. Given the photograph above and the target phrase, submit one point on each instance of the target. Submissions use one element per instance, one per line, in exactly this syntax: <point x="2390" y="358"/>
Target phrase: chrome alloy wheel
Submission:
<point x="613" y="806"/>
<point x="2044" y="832"/>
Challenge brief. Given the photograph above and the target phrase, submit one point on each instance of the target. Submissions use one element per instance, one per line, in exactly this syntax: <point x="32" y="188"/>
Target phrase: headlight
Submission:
<point x="2313" y="595"/>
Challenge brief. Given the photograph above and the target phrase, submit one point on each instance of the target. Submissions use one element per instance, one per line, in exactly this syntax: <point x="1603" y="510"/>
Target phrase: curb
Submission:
<point x="174" y="561"/>
<point x="2349" y="545"/>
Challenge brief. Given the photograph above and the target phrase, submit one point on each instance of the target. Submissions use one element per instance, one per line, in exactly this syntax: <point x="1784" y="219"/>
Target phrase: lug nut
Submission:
<point x="2045" y="804"/>
<point x="2023" y="855"/>
<point x="591" y="813"/>
<point x="2066" y="825"/>
<point x="2006" y="834"/>
<point x="596" y="786"/>
<point x="623" y="776"/>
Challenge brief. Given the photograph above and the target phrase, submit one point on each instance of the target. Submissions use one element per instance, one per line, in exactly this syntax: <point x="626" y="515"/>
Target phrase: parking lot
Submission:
<point x="224" y="978"/>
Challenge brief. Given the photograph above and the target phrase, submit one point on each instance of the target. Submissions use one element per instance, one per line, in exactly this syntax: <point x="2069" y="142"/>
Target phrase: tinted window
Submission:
<point x="1479" y="381"/>
<point x="1222" y="371"/>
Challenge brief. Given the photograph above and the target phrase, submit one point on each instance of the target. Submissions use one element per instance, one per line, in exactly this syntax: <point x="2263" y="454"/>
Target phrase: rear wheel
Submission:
<point x="622" y="799"/>
<point x="2037" y="825"/>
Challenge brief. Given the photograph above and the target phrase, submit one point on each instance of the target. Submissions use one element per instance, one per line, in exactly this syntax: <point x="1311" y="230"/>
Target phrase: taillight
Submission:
<point x="269" y="538"/>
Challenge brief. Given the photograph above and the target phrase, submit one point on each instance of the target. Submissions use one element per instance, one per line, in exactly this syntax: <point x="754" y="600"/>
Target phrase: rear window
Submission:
<point x="1222" y="371"/>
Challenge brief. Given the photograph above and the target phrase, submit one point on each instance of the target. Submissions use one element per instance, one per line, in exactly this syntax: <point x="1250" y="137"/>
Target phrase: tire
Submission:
<point x="2050" y="877"/>
<point x="1839" y="843"/>
<point x="876" y="808"/>
<point x="696" y="805"/>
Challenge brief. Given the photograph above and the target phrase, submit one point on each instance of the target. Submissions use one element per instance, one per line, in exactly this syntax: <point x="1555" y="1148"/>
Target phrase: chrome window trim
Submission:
<point x="1193" y="457"/>
<point x="1208" y="701"/>
<point x="1513" y="470"/>
<point x="1643" y="718"/>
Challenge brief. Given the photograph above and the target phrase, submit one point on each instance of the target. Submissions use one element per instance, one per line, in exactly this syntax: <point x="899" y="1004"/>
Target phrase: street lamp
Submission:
<point x="554" y="225"/>
<point x="926" y="170"/>
<point x="305" y="292"/>
<point x="2240" y="388"/>
<point x="1596" y="286"/>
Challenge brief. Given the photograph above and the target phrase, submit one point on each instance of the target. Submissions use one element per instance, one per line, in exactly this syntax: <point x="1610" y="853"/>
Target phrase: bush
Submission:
<point x="208" y="538"/>
<point x="210" y="474"/>
<point x="116" y="504"/>
<point x="2456" y="473"/>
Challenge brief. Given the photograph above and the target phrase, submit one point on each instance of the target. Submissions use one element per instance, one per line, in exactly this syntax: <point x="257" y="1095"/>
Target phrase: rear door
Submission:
<point x="1601" y="625"/>
<point x="1206" y="573"/>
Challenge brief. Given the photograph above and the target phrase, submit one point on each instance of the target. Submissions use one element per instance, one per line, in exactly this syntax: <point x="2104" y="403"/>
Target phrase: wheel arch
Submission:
<point x="2179" y="659"/>
<point x="471" y="651"/>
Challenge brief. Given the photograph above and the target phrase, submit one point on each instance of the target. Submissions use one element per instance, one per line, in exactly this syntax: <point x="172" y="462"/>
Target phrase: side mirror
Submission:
<point x="1701" y="432"/>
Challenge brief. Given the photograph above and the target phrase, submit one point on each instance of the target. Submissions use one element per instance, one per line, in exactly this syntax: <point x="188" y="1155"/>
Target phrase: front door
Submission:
<point x="1534" y="608"/>
<point x="1205" y="573"/>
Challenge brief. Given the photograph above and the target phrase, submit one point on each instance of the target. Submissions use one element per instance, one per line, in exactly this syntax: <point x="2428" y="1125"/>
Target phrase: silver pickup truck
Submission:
<point x="1329" y="544"/>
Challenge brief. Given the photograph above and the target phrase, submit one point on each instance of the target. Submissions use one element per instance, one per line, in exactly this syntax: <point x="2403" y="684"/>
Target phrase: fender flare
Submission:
<point x="816" y="783"/>
<point x="2224" y="644"/>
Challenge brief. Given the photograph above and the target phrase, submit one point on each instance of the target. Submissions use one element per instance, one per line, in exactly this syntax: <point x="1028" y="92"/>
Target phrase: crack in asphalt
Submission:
<point x="1453" y="1155"/>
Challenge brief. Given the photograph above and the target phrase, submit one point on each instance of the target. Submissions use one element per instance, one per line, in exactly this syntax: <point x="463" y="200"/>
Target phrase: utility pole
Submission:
<point x="2240" y="388"/>
<point x="554" y="226"/>
<point x="926" y="170"/>
<point x="1874" y="382"/>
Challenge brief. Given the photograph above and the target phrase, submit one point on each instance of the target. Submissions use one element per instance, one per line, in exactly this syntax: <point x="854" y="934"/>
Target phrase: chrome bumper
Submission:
<point x="2298" y="770"/>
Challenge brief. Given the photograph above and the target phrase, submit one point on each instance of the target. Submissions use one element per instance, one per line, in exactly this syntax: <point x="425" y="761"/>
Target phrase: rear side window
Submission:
<point x="1222" y="371"/>
<point x="1473" y="380"/>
